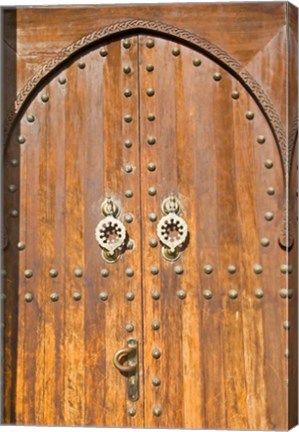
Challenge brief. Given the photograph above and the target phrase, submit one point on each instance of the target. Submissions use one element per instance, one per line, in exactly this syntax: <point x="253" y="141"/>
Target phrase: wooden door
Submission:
<point x="123" y="124"/>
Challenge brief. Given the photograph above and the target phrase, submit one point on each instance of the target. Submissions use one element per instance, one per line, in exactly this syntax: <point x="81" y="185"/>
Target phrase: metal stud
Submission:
<point x="217" y="76"/>
<point x="181" y="294"/>
<point x="156" y="353"/>
<point x="45" y="98"/>
<point x="151" y="140"/>
<point x="127" y="69"/>
<point x="103" y="296"/>
<point x="150" y="92"/>
<point x="152" y="191"/>
<point x="131" y="411"/>
<point x="53" y="272"/>
<point x="235" y="94"/>
<point x="14" y="162"/>
<point x="12" y="188"/>
<point x="284" y="268"/>
<point x="286" y="293"/>
<point x="156" y="381"/>
<point x="270" y="190"/>
<point x="14" y="213"/>
<point x="154" y="270"/>
<point x="150" y="43"/>
<point x="261" y="139"/>
<point x="128" y="143"/>
<point x="21" y="246"/>
<point x="30" y="118"/>
<point x="287" y="354"/>
<point x="208" y="269"/>
<point x="130" y="296"/>
<point x="129" y="218"/>
<point x="62" y="80"/>
<point x="250" y="115"/>
<point x="128" y="193"/>
<point x="128" y="168"/>
<point x="103" y="52"/>
<point x="151" y="167"/>
<point x="153" y="242"/>
<point x="155" y="295"/>
<point x="129" y="272"/>
<point x="54" y="297"/>
<point x="207" y="294"/>
<point x="258" y="269"/>
<point x="129" y="327"/>
<point x="21" y="139"/>
<point x="269" y="216"/>
<point x="81" y="65"/>
<point x="265" y="241"/>
<point x="28" y="273"/>
<point x="151" y="117"/>
<point x="196" y="62"/>
<point x="127" y="93"/>
<point x="259" y="293"/>
<point x="77" y="296"/>
<point x="127" y="43"/>
<point x="176" y="51"/>
<point x="233" y="294"/>
<point x="78" y="272"/>
<point x="178" y="270"/>
<point x="28" y="297"/>
<point x="104" y="272"/>
<point x="130" y="244"/>
<point x="155" y="325"/>
<point x="128" y="118"/>
<point x="287" y="325"/>
<point x="150" y="67"/>
<point x="268" y="164"/>
<point x="152" y="217"/>
<point x="157" y="411"/>
<point x="231" y="269"/>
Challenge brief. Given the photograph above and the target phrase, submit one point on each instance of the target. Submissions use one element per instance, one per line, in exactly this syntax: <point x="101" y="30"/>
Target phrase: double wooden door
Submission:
<point x="169" y="145"/>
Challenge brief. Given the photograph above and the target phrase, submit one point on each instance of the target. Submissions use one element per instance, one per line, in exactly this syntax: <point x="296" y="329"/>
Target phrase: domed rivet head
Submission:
<point x="231" y="269"/>
<point x="181" y="294"/>
<point x="157" y="411"/>
<point x="130" y="245"/>
<point x="178" y="270"/>
<point x="129" y="272"/>
<point x="258" y="269"/>
<point x="130" y="296"/>
<point x="103" y="52"/>
<point x="268" y="164"/>
<point x="155" y="295"/>
<point x="259" y="293"/>
<point x="287" y="325"/>
<point x="104" y="273"/>
<point x="208" y="269"/>
<point x="128" y="118"/>
<point x="149" y="68"/>
<point x="30" y="118"/>
<point x="152" y="217"/>
<point x="154" y="270"/>
<point x="207" y="294"/>
<point x="196" y="62"/>
<point x="21" y="139"/>
<point x="129" y="218"/>
<point x="12" y="188"/>
<point x="152" y="191"/>
<point x="265" y="241"/>
<point x="128" y="143"/>
<point x="217" y="76"/>
<point x="129" y="327"/>
<point x="153" y="243"/>
<point x="128" y="193"/>
<point x="269" y="216"/>
<point x="21" y="246"/>
<point x="14" y="213"/>
<point x="28" y="273"/>
<point x="14" y="162"/>
<point x="176" y="51"/>
<point x="151" y="117"/>
<point x="233" y="294"/>
<point x="156" y="353"/>
<point x="155" y="325"/>
<point x="45" y="98"/>
<point x="81" y="65"/>
<point x="127" y="69"/>
<point x="128" y="93"/>
<point x="287" y="354"/>
<point x="103" y="296"/>
<point x="128" y="168"/>
<point x="131" y="411"/>
<point x="261" y="139"/>
<point x="127" y="43"/>
<point x="271" y="191"/>
<point x="151" y="140"/>
<point x="156" y="381"/>
<point x="150" y="43"/>
<point x="249" y="115"/>
<point x="54" y="297"/>
<point x="285" y="293"/>
<point x="151" y="167"/>
<point x="284" y="268"/>
<point x="150" y="92"/>
<point x="78" y="272"/>
<point x="53" y="273"/>
<point x="235" y="94"/>
<point x="62" y="80"/>
<point x="28" y="297"/>
<point x="77" y="296"/>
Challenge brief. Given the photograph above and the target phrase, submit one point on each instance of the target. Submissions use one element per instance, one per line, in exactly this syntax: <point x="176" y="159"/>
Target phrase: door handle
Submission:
<point x="129" y="355"/>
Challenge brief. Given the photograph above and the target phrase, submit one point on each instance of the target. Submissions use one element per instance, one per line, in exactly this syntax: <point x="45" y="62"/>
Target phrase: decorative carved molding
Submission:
<point x="193" y="40"/>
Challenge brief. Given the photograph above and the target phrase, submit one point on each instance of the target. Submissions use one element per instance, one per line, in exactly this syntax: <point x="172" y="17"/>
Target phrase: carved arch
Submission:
<point x="183" y="36"/>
